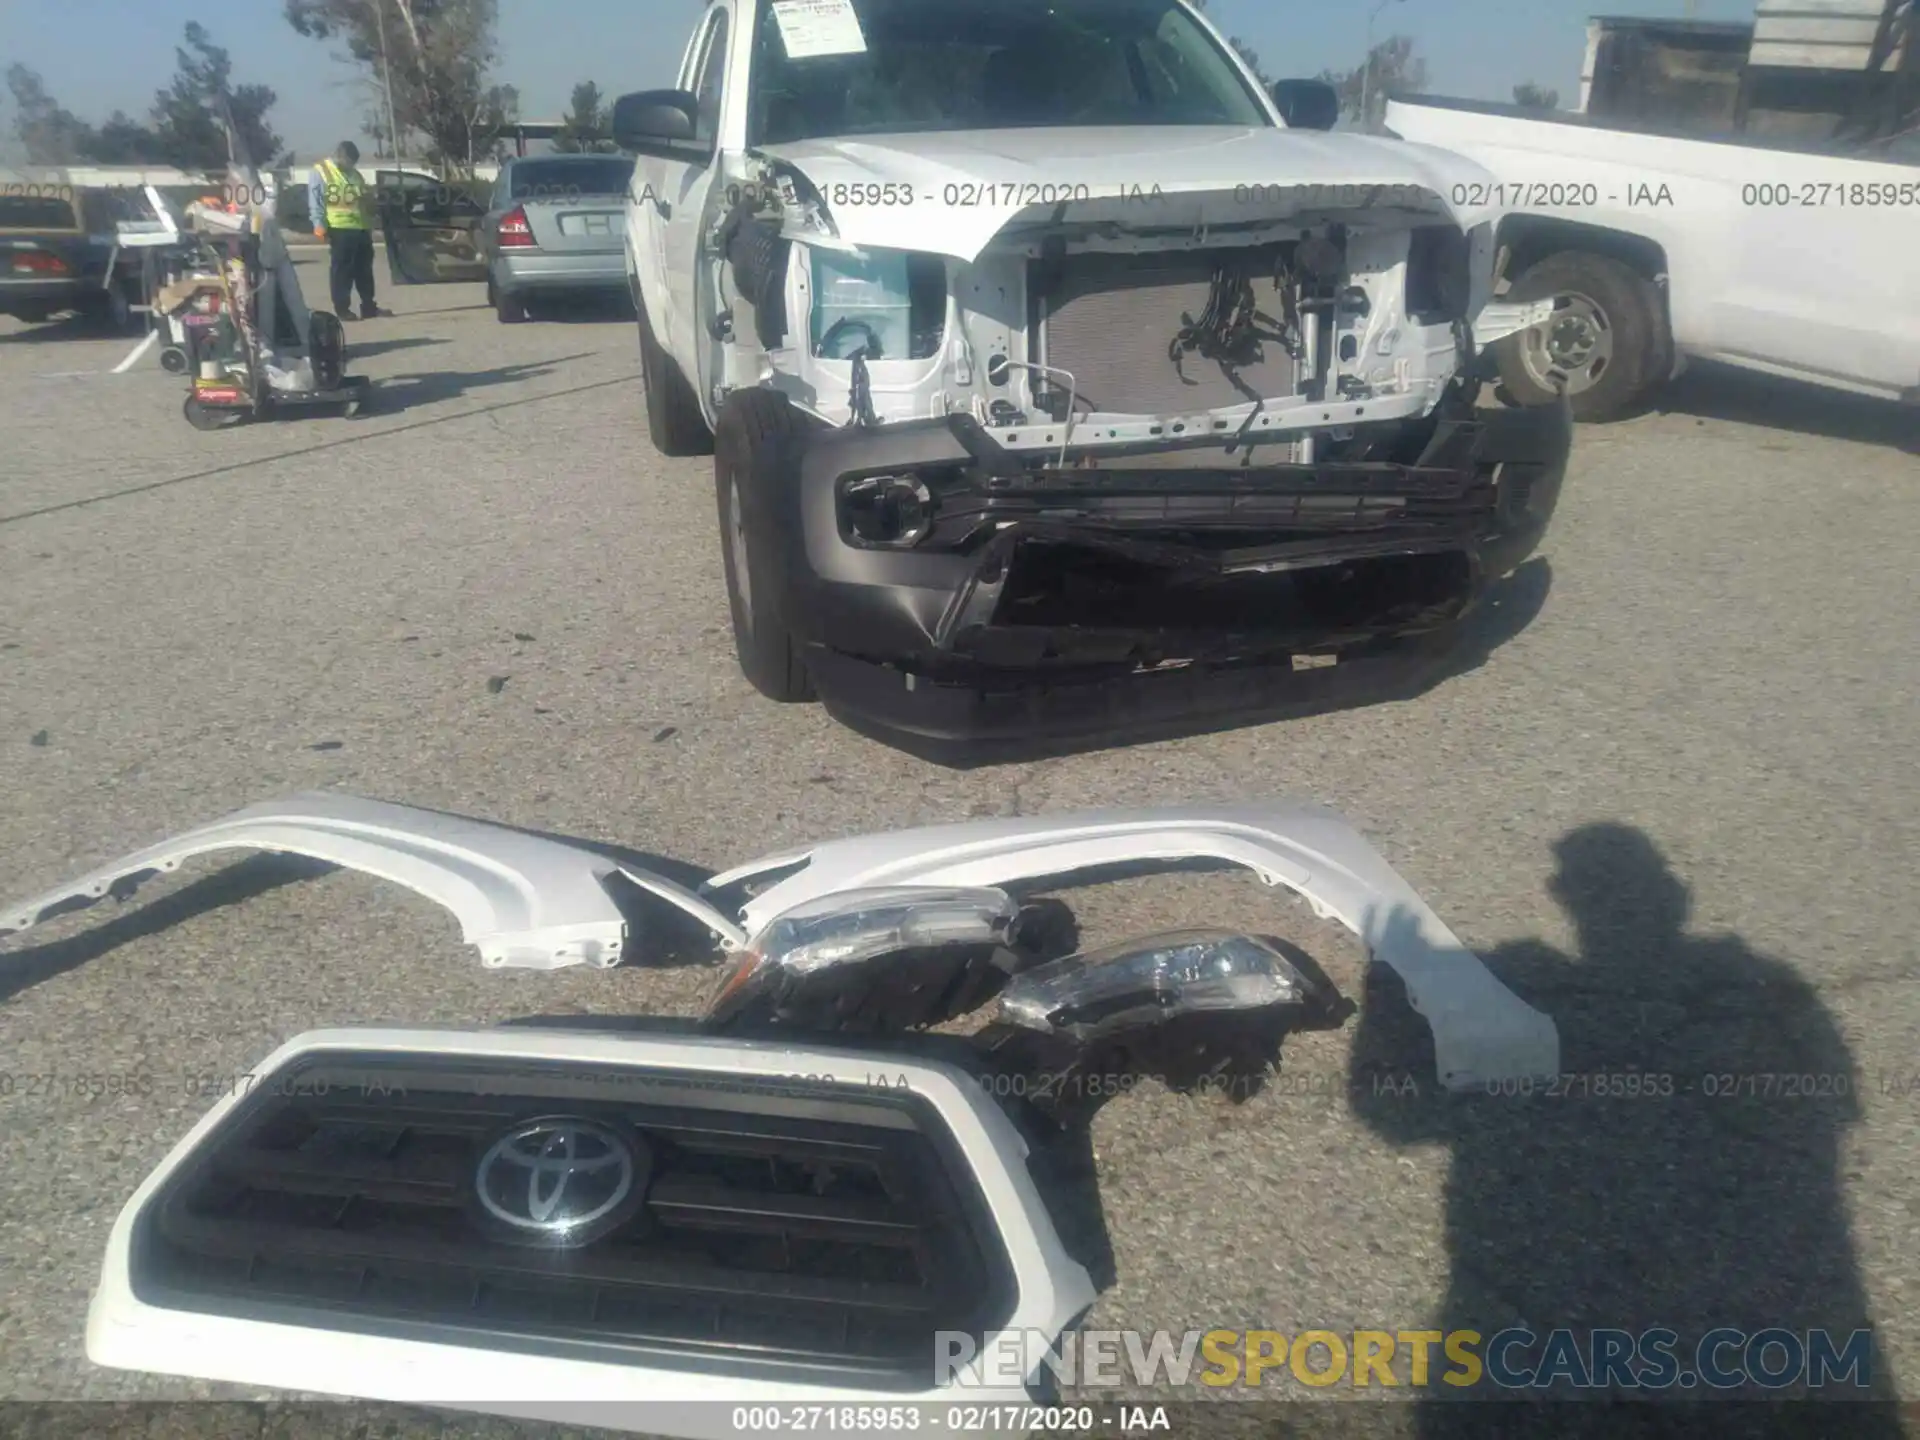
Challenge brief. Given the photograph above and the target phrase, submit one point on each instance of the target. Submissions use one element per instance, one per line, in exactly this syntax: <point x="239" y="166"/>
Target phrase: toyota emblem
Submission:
<point x="562" y="1181"/>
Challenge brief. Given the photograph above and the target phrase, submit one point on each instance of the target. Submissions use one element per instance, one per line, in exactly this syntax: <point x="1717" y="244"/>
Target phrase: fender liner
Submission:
<point x="523" y="900"/>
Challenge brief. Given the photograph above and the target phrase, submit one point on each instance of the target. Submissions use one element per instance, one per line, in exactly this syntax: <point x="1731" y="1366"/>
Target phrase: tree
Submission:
<point x="184" y="129"/>
<point x="587" y="124"/>
<point x="1531" y="97"/>
<point x="1245" y="51"/>
<point x="125" y="141"/>
<point x="186" y="115"/>
<point x="437" y="55"/>
<point x="1394" y="68"/>
<point x="49" y="134"/>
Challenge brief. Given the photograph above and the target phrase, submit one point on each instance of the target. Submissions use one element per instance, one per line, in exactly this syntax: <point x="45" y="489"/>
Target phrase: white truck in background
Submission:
<point x="1794" y="256"/>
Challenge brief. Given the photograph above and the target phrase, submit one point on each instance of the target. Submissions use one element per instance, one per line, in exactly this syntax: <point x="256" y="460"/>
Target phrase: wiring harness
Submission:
<point x="1232" y="331"/>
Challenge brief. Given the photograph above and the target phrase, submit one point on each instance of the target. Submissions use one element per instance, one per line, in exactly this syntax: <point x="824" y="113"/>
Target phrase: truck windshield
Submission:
<point x="927" y="65"/>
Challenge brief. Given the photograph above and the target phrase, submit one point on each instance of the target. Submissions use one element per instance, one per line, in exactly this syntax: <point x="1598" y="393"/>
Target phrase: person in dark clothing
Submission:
<point x="342" y="208"/>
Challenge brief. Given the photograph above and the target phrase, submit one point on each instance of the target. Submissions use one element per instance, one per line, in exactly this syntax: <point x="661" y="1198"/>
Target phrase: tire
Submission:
<point x="755" y="453"/>
<point x="173" y="360"/>
<point x="510" y="309"/>
<point x="326" y="349"/>
<point x="674" y="422"/>
<point x="1606" y="343"/>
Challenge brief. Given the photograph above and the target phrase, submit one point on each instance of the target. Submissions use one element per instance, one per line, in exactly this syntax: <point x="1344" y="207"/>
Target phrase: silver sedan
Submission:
<point x="553" y="226"/>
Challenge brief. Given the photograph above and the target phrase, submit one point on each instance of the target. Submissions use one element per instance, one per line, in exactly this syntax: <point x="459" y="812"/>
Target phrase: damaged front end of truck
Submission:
<point x="1040" y="443"/>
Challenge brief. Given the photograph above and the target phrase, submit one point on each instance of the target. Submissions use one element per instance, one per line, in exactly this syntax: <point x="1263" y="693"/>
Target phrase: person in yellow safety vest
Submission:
<point x="341" y="205"/>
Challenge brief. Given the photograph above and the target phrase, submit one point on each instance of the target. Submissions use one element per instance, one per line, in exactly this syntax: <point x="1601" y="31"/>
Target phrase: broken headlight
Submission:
<point x="1195" y="1009"/>
<point x="875" y="303"/>
<point x="861" y="304"/>
<point x="1150" y="980"/>
<point x="878" y="959"/>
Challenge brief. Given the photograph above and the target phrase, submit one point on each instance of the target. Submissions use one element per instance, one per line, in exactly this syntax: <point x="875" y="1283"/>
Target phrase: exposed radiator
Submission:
<point x="1109" y="320"/>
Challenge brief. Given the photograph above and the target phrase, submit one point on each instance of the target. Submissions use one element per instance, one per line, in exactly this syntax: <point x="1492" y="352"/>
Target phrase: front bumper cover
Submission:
<point x="918" y="641"/>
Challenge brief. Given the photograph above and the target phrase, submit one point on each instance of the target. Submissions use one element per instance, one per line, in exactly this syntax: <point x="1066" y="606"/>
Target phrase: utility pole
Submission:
<point x="1366" y="69"/>
<point x="386" y="76"/>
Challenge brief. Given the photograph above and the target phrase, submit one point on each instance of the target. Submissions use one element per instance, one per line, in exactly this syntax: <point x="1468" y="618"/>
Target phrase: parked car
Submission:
<point x="1790" y="258"/>
<point x="1039" y="355"/>
<point x="553" y="228"/>
<point x="58" y="244"/>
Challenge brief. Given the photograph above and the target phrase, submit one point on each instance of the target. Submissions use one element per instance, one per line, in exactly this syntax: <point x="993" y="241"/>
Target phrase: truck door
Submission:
<point x="1823" y="281"/>
<point x="685" y="187"/>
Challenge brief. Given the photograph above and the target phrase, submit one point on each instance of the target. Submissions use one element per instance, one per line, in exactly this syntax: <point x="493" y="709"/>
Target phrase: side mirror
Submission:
<point x="1307" y="104"/>
<point x="657" y="122"/>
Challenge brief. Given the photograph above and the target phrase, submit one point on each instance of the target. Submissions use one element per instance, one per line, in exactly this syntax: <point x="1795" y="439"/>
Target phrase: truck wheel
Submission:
<point x="1602" y="347"/>
<point x="674" y="422"/>
<point x="756" y="445"/>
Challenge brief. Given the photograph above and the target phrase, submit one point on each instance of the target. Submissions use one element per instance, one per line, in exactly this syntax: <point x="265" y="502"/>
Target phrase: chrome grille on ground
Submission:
<point x="798" y="1228"/>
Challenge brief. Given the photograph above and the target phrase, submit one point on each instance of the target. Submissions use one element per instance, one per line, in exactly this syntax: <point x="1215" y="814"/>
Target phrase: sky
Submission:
<point x="98" y="55"/>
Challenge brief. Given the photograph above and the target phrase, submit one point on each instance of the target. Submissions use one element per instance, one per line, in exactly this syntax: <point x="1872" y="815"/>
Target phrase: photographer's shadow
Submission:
<point x="1684" y="1173"/>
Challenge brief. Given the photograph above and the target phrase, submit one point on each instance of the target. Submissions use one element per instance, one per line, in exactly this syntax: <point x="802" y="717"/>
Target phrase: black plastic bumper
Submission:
<point x="909" y="642"/>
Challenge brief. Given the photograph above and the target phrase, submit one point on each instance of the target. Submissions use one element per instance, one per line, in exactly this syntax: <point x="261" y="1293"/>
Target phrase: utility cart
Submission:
<point x="252" y="347"/>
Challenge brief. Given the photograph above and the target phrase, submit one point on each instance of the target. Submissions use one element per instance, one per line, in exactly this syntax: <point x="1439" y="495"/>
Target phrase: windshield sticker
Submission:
<point x="819" y="27"/>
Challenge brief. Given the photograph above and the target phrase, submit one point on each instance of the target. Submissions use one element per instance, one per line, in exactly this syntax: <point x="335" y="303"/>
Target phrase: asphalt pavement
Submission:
<point x="1671" y="797"/>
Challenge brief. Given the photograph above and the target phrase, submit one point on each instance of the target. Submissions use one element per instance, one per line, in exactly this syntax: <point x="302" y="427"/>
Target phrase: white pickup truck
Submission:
<point x="1042" y="350"/>
<point x="1655" y="247"/>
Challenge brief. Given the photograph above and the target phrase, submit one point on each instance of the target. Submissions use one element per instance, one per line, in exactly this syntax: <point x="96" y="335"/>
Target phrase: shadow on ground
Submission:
<point x="1746" y="397"/>
<point x="407" y="392"/>
<point x="358" y="349"/>
<point x="581" y="309"/>
<point x="1683" y="1174"/>
<point x="69" y="328"/>
<point x="411" y="311"/>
